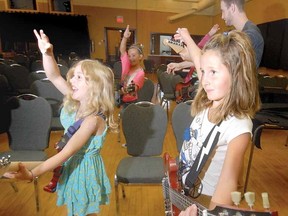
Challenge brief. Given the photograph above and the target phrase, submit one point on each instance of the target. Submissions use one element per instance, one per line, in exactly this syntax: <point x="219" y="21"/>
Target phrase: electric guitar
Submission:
<point x="7" y="166"/>
<point x="175" y="201"/>
<point x="131" y="88"/>
<point x="185" y="88"/>
<point x="175" y="45"/>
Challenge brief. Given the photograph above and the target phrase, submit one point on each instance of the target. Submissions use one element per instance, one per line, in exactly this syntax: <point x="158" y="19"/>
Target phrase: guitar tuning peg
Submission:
<point x="265" y="199"/>
<point x="236" y="197"/>
<point x="250" y="199"/>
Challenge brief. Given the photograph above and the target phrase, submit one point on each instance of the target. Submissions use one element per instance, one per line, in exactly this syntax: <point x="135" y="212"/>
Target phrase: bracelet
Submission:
<point x="32" y="176"/>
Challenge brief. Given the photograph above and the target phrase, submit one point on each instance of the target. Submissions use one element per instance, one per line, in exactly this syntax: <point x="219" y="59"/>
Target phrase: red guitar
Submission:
<point x="183" y="90"/>
<point x="176" y="201"/>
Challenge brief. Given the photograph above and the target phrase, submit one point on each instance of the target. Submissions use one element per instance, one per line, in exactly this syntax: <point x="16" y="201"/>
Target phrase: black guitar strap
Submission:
<point x="196" y="167"/>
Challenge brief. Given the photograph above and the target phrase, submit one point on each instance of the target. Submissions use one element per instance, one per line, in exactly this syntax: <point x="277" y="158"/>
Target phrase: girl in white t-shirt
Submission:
<point x="227" y="97"/>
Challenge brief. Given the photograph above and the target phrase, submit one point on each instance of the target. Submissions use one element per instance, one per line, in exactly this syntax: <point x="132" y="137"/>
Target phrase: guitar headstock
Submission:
<point x="4" y="164"/>
<point x="175" y="45"/>
<point x="250" y="200"/>
<point x="228" y="210"/>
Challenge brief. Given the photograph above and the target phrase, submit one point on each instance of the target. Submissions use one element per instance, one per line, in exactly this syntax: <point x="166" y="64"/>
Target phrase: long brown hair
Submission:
<point x="238" y="56"/>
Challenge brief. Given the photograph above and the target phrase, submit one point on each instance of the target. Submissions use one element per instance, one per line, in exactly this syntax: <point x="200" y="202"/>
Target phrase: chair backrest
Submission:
<point x="117" y="69"/>
<point x="147" y="91"/>
<point x="36" y="75"/>
<point x="3" y="67"/>
<point x="181" y="119"/>
<point x="63" y="70"/>
<point x="62" y="62"/>
<point x="4" y="85"/>
<point x="166" y="84"/>
<point x="46" y="89"/>
<point x="149" y="65"/>
<point x="22" y="60"/>
<point x="144" y="127"/>
<point x="36" y="65"/>
<point x="30" y="124"/>
<point x="17" y="76"/>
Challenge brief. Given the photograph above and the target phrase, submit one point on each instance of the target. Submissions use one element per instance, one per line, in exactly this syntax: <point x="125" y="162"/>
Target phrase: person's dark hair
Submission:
<point x="238" y="3"/>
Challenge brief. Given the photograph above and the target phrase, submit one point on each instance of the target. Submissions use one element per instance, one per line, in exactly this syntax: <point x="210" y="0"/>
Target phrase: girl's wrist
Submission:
<point x="32" y="176"/>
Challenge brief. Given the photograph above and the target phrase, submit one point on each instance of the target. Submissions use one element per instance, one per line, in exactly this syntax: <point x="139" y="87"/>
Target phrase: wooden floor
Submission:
<point x="269" y="173"/>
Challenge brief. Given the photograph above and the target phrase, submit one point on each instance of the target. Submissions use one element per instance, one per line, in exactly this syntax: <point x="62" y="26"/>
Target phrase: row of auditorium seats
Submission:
<point x="20" y="78"/>
<point x="16" y="80"/>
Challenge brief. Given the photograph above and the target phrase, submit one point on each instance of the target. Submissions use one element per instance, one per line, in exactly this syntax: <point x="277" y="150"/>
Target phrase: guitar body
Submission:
<point x="171" y="168"/>
<point x="176" y="201"/>
<point x="184" y="90"/>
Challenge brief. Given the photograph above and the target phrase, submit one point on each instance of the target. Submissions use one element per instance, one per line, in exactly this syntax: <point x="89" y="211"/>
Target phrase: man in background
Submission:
<point x="234" y="15"/>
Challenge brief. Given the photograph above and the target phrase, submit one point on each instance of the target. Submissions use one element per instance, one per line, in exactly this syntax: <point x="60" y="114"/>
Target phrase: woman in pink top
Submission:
<point x="132" y="72"/>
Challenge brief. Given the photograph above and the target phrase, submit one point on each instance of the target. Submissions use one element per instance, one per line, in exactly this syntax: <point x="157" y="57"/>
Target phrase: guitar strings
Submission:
<point x="182" y="202"/>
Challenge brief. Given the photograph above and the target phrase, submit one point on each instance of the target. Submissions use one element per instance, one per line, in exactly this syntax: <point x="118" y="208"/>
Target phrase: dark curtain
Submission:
<point x="68" y="33"/>
<point x="275" y="36"/>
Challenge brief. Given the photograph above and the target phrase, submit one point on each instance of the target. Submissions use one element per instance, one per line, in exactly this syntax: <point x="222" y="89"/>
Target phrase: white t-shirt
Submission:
<point x="193" y="141"/>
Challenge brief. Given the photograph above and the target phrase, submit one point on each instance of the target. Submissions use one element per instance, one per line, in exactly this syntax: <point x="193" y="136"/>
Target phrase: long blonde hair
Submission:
<point x="238" y="56"/>
<point x="100" y="80"/>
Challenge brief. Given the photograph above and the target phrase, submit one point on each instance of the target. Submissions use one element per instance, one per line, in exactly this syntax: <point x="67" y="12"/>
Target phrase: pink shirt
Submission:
<point x="127" y="77"/>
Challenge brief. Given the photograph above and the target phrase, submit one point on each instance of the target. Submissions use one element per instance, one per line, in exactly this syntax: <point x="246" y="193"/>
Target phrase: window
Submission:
<point x="61" y="6"/>
<point x="22" y="4"/>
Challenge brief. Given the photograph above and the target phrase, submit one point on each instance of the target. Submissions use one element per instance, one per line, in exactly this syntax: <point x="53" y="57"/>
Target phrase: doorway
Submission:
<point x="113" y="37"/>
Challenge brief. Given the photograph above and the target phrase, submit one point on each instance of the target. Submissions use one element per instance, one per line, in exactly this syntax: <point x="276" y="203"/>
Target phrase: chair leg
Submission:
<point x="165" y="103"/>
<point x="119" y="132"/>
<point x="248" y="168"/>
<point x="250" y="159"/>
<point x="36" y="190"/>
<point x="286" y="144"/>
<point x="116" y="195"/>
<point x="123" y="191"/>
<point x="167" y="108"/>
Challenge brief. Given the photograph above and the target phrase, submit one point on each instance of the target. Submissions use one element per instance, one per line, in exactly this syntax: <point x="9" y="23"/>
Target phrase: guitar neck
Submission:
<point x="179" y="200"/>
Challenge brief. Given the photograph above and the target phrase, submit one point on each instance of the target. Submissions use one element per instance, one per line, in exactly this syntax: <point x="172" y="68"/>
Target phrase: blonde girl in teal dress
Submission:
<point x="89" y="95"/>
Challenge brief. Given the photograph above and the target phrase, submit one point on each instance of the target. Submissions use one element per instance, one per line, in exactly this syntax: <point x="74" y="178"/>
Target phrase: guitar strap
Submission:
<point x="197" y="165"/>
<point x="72" y="130"/>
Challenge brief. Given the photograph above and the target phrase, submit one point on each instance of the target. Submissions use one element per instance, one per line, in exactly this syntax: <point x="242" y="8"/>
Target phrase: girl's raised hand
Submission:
<point x="43" y="42"/>
<point x="182" y="34"/>
<point x="127" y="32"/>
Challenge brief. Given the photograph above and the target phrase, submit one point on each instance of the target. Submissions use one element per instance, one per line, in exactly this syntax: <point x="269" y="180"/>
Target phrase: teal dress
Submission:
<point x="83" y="184"/>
